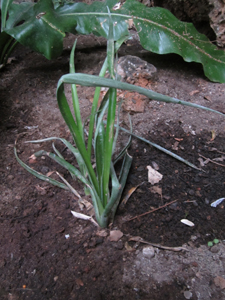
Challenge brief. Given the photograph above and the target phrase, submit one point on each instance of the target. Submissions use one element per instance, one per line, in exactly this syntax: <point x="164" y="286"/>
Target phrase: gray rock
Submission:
<point x="148" y="252"/>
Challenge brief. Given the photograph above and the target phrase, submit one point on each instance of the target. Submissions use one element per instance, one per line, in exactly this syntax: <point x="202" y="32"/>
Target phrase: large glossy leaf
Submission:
<point x="159" y="31"/>
<point x="5" y="4"/>
<point x="38" y="27"/>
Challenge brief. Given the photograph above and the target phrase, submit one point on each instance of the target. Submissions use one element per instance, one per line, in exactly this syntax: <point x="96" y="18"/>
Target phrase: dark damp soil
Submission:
<point x="46" y="253"/>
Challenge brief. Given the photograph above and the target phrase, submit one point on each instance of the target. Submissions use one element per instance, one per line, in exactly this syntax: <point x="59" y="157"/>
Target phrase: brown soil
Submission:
<point x="38" y="262"/>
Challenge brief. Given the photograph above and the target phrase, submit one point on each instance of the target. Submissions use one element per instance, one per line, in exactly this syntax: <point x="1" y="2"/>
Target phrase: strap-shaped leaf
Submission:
<point x="39" y="175"/>
<point x="44" y="28"/>
<point x="92" y="80"/>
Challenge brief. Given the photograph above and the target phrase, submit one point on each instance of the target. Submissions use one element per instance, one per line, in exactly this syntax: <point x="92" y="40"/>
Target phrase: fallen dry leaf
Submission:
<point x="79" y="282"/>
<point x="213" y="135"/>
<point x="217" y="202"/>
<point x="155" y="165"/>
<point x="202" y="164"/>
<point x="84" y="217"/>
<point x="207" y="98"/>
<point x="32" y="161"/>
<point x="128" y="195"/>
<point x="40" y="189"/>
<point x="222" y="158"/>
<point x="50" y="173"/>
<point x="115" y="235"/>
<point x="84" y="203"/>
<point x="128" y="247"/>
<point x="156" y="190"/>
<point x="179" y="139"/>
<point x="102" y="233"/>
<point x="187" y="222"/>
<point x="153" y="175"/>
<point x="175" y="145"/>
<point x="192" y="93"/>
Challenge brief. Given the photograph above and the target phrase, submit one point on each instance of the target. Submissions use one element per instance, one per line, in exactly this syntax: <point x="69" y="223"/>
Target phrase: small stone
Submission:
<point x="56" y="278"/>
<point x="118" y="245"/>
<point x="102" y="233"/>
<point x="191" y="192"/>
<point x="44" y="169"/>
<point x="148" y="252"/>
<point x="174" y="206"/>
<point x="215" y="249"/>
<point x="194" y="264"/>
<point x="193" y="238"/>
<point x="220" y="282"/>
<point x="195" y="203"/>
<point x="188" y="295"/>
<point x="207" y="201"/>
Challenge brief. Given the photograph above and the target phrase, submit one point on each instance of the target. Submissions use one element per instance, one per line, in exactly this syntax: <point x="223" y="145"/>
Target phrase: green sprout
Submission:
<point x="211" y="243"/>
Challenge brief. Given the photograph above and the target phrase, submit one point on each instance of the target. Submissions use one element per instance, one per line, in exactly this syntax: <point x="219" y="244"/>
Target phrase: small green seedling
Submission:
<point x="214" y="242"/>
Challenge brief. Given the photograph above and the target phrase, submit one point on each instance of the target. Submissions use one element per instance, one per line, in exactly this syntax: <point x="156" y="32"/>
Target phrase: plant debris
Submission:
<point x="153" y="175"/>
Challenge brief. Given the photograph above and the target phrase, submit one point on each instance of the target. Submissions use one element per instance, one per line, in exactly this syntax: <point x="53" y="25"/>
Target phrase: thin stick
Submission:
<point x="212" y="161"/>
<point x="140" y="240"/>
<point x="215" y="150"/>
<point x="148" y="212"/>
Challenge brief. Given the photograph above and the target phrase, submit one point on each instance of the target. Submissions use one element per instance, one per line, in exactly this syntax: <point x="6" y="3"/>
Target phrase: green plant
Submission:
<point x="211" y="243"/>
<point x="42" y="27"/>
<point x="7" y="42"/>
<point x="102" y="181"/>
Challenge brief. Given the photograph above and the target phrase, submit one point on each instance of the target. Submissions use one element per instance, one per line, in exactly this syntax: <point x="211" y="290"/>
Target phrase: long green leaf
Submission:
<point x="39" y="175"/>
<point x="99" y="143"/>
<point x="177" y="157"/>
<point x="74" y="151"/>
<point x="73" y="171"/>
<point x="68" y="117"/>
<point x="75" y="99"/>
<point x="97" y="94"/>
<point x="117" y="187"/>
<point x="44" y="28"/>
<point x="91" y="80"/>
<point x="108" y="139"/>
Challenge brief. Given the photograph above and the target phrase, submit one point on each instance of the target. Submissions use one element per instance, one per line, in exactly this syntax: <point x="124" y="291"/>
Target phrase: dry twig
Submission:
<point x="148" y="212"/>
<point x="212" y="161"/>
<point x="140" y="240"/>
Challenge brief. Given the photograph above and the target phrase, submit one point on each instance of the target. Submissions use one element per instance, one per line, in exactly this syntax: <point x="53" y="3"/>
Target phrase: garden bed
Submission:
<point x="48" y="254"/>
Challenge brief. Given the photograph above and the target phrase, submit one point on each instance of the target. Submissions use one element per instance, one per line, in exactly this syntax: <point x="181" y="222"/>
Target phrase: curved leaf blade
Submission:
<point x="161" y="32"/>
<point x="39" y="175"/>
<point x="92" y="80"/>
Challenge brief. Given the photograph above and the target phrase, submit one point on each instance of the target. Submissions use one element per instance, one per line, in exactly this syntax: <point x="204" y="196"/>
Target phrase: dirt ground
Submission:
<point x="46" y="253"/>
